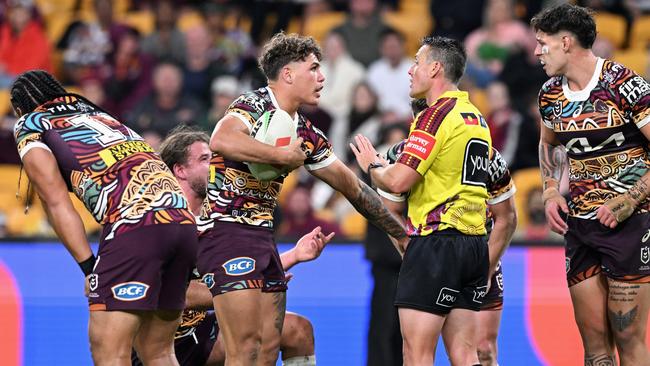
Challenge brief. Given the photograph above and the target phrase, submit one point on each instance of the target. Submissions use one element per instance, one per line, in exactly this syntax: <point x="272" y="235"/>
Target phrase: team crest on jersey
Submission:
<point x="93" y="281"/>
<point x="645" y="254"/>
<point x="557" y="109"/>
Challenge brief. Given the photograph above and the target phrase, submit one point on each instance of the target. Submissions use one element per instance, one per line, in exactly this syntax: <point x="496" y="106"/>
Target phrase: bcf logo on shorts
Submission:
<point x="239" y="266"/>
<point x="130" y="291"/>
<point x="447" y="297"/>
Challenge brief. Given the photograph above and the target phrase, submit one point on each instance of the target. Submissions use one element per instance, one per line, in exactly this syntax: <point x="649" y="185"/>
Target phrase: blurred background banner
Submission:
<point x="44" y="315"/>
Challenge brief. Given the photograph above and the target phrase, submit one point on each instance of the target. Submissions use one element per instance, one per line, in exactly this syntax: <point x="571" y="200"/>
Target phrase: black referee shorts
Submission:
<point x="444" y="271"/>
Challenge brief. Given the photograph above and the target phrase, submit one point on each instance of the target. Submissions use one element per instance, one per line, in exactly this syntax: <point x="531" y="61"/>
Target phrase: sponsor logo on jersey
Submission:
<point x="113" y="154"/>
<point x="208" y="279"/>
<point x="130" y="291"/>
<point x="634" y="89"/>
<point x="479" y="294"/>
<point x="476" y="162"/>
<point x="447" y="297"/>
<point x="420" y="144"/>
<point x="239" y="266"/>
<point x="581" y="144"/>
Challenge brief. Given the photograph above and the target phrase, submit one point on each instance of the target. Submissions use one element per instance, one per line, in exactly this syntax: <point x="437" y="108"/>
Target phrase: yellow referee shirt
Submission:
<point x="449" y="145"/>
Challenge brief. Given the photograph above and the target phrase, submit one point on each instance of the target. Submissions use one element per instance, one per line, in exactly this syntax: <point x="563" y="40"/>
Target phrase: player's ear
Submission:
<point x="435" y="68"/>
<point x="178" y="171"/>
<point x="287" y="74"/>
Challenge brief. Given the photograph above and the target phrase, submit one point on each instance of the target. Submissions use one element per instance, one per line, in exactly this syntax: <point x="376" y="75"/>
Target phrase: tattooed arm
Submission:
<point x="363" y="198"/>
<point x="621" y="207"/>
<point x="552" y="162"/>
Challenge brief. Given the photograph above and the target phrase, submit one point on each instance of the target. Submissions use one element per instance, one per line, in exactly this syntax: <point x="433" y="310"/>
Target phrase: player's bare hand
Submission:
<point x="365" y="153"/>
<point x="310" y="246"/>
<point x="616" y="210"/>
<point x="553" y="204"/>
<point x="294" y="155"/>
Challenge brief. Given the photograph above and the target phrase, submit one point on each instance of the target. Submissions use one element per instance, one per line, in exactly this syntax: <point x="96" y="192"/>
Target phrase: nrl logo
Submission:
<point x="645" y="254"/>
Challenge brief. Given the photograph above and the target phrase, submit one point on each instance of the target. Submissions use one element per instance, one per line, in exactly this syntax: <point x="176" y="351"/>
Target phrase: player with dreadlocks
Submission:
<point x="148" y="244"/>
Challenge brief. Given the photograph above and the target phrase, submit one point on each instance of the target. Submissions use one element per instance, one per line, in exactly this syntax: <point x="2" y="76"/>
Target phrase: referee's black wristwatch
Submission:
<point x="374" y="165"/>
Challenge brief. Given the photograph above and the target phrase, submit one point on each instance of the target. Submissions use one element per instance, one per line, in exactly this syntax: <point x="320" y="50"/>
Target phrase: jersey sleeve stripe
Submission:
<point x="502" y="197"/>
<point x="390" y="196"/>
<point x="32" y="145"/>
<point x="431" y="118"/>
<point x="246" y="122"/>
<point x="643" y="122"/>
<point x="329" y="160"/>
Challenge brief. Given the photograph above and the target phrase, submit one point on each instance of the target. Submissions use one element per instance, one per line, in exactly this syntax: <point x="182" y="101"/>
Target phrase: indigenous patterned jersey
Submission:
<point x="599" y="127"/>
<point x="449" y="146"/>
<point x="190" y="318"/>
<point x="117" y="176"/>
<point x="234" y="194"/>
<point x="500" y="185"/>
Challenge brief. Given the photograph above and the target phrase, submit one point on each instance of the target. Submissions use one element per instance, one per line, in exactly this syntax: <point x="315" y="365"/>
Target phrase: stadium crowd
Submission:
<point x="157" y="64"/>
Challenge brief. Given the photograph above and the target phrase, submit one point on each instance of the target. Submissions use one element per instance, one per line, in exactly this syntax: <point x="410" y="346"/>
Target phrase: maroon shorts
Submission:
<point x="194" y="349"/>
<point x="622" y="253"/>
<point x="493" y="300"/>
<point x="237" y="257"/>
<point x="144" y="269"/>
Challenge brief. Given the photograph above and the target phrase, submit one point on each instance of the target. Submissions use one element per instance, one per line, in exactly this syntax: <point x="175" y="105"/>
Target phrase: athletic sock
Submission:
<point x="300" y="361"/>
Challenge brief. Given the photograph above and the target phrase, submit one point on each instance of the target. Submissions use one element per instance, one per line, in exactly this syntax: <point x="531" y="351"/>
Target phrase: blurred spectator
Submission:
<point x="224" y="91"/>
<point x="504" y="121"/>
<point x="364" y="117"/>
<point x="450" y="21"/>
<point x="259" y="11"/>
<point x="230" y="47"/>
<point x="127" y="76"/>
<point x="489" y="47"/>
<point x="200" y="70"/>
<point x="299" y="218"/>
<point x="23" y="43"/>
<point x="92" y="88"/>
<point x="526" y="152"/>
<point x="389" y="77"/>
<point x="167" y="41"/>
<point x="537" y="228"/>
<point x="8" y="152"/>
<point x="603" y="48"/>
<point x="362" y="31"/>
<point x="86" y="45"/>
<point x="166" y="106"/>
<point x="342" y="73"/>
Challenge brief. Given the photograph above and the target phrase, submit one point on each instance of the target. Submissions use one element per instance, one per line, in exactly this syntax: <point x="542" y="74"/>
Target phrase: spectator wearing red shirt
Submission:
<point x="23" y="43"/>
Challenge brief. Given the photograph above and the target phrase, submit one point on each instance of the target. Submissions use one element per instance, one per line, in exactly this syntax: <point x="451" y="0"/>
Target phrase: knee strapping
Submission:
<point x="300" y="361"/>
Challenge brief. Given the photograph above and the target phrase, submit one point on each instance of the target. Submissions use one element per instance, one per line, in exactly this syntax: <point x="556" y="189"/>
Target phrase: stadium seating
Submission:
<point x="635" y="59"/>
<point x="525" y="180"/>
<point x="319" y="25"/>
<point x="640" y="35"/>
<point x="611" y="27"/>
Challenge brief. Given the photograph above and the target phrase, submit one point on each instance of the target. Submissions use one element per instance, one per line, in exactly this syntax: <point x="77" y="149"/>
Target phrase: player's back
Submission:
<point x="110" y="168"/>
<point x="449" y="145"/>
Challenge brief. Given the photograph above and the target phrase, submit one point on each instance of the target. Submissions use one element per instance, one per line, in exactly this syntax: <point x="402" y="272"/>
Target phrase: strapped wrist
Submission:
<point x="88" y="265"/>
<point x="549" y="193"/>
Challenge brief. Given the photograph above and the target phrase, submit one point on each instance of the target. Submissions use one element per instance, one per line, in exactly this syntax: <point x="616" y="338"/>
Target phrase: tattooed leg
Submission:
<point x="628" y="305"/>
<point x="589" y="299"/>
<point x="600" y="360"/>
<point x="274" y="308"/>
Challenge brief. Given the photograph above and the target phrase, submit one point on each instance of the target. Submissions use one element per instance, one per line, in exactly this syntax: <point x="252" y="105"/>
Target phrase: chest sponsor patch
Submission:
<point x="476" y="162"/>
<point x="420" y="144"/>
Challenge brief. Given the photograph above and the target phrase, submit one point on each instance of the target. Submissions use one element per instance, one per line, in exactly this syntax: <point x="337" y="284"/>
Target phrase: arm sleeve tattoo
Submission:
<point x="369" y="205"/>
<point x="552" y="160"/>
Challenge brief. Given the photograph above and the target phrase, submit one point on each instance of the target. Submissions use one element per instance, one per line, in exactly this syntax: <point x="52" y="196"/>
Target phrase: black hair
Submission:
<point x="34" y="88"/>
<point x="566" y="17"/>
<point x="283" y="49"/>
<point x="450" y="53"/>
